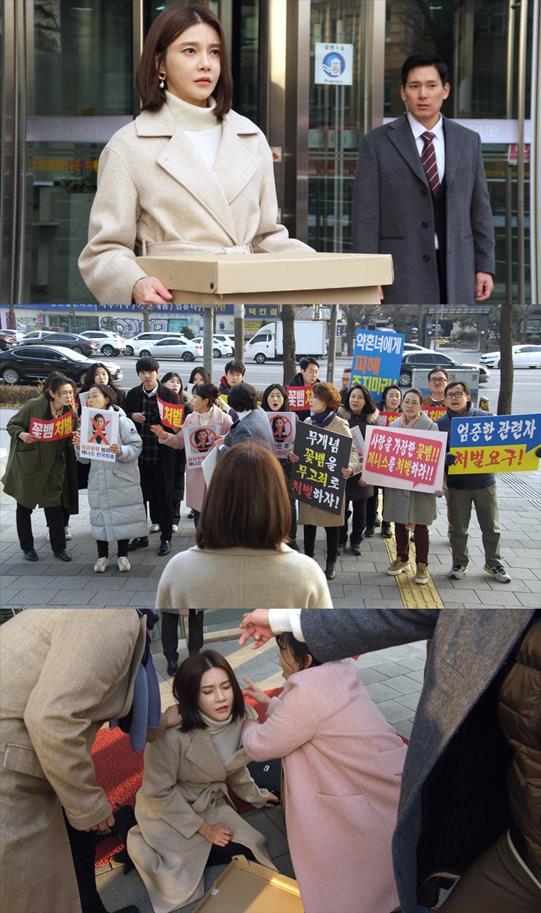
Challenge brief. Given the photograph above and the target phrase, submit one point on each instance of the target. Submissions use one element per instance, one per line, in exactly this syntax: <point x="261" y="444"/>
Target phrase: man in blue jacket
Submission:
<point x="466" y="490"/>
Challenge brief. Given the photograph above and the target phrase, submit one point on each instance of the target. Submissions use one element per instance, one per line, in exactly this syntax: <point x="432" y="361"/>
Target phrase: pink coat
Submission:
<point x="195" y="483"/>
<point x="343" y="763"/>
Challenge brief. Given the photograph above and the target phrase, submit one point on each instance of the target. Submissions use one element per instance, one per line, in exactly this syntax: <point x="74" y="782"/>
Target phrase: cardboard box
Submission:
<point x="296" y="278"/>
<point x="247" y="887"/>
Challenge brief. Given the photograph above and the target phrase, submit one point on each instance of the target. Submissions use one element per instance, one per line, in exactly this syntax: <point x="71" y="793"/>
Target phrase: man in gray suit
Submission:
<point x="421" y="195"/>
<point x="455" y="812"/>
<point x="251" y="424"/>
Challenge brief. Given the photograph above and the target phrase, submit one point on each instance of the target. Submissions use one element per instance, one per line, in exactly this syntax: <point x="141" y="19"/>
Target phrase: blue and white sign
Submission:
<point x="377" y="357"/>
<point x="333" y="64"/>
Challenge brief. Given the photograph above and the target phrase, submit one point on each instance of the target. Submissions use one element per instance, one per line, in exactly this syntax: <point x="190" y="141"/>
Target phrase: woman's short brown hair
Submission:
<point x="247" y="504"/>
<point x="328" y="393"/>
<point x="187" y="684"/>
<point x="163" y="31"/>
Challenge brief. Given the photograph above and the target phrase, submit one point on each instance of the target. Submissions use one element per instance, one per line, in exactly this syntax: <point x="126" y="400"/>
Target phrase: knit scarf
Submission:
<point x="322" y="419"/>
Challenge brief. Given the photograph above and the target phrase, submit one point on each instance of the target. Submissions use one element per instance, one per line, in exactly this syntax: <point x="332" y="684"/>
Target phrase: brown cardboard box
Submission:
<point x="247" y="887"/>
<point x="297" y="278"/>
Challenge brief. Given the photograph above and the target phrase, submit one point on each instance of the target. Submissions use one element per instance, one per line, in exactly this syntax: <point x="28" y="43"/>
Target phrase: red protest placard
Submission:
<point x="434" y="412"/>
<point x="404" y="458"/>
<point x="388" y="417"/>
<point x="53" y="429"/>
<point x="171" y="414"/>
<point x="298" y="398"/>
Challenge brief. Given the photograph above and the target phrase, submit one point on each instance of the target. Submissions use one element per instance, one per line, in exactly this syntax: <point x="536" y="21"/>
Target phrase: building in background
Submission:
<point x="68" y="84"/>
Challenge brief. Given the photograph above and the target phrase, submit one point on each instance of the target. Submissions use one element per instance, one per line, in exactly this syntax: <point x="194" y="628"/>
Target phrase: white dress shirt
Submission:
<point x="439" y="148"/>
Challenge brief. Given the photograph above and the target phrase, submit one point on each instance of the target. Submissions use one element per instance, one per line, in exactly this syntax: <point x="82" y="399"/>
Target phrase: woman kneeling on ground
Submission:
<point x="186" y="819"/>
<point x="343" y="764"/>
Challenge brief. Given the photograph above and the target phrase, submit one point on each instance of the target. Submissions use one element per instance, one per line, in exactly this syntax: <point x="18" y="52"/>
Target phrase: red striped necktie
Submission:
<point x="428" y="161"/>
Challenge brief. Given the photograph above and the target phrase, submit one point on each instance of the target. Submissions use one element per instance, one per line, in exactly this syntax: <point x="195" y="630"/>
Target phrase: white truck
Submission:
<point x="310" y="339"/>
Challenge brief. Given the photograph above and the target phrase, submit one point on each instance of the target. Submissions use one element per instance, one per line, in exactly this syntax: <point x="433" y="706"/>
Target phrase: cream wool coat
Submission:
<point x="155" y="192"/>
<point x="63" y="673"/>
<point x="343" y="765"/>
<point x="184" y="786"/>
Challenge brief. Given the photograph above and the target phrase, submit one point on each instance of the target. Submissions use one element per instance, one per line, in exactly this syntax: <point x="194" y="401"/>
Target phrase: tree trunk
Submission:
<point x="146" y="321"/>
<point x="505" y="399"/>
<point x="288" y="325"/>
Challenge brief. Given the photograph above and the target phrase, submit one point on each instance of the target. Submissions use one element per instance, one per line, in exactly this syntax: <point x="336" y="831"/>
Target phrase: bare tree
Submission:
<point x="288" y="325"/>
<point x="505" y="398"/>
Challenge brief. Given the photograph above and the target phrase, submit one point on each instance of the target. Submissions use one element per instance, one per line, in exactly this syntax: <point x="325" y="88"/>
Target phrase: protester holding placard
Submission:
<point x="206" y="416"/>
<point x="391" y="404"/>
<point x="324" y="404"/>
<point x="411" y="510"/>
<point x="275" y="400"/>
<point x="173" y="381"/>
<point x="306" y="377"/>
<point x="233" y="374"/>
<point x="359" y="410"/>
<point x="36" y="476"/>
<point x="437" y="380"/>
<point x="117" y="509"/>
<point x="465" y="491"/>
<point x="147" y="405"/>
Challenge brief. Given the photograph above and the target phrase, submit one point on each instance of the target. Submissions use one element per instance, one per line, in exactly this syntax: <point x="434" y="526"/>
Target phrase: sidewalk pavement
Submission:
<point x="360" y="582"/>
<point x="393" y="678"/>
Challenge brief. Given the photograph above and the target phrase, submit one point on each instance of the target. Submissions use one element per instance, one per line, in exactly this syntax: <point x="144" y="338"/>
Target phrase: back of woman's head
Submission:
<point x="247" y="504"/>
<point x="207" y="391"/>
<point x="242" y="397"/>
<point x="187" y="684"/>
<point x="287" y="643"/>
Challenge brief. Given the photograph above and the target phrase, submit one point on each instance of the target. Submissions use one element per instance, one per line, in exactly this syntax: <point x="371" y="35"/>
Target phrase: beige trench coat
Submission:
<point x="314" y="516"/>
<point x="156" y="193"/>
<point x="63" y="672"/>
<point x="184" y="786"/>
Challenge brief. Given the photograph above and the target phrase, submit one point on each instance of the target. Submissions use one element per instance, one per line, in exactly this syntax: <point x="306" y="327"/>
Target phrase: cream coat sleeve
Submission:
<point x="244" y="786"/>
<point x="83" y="666"/>
<point x="291" y="721"/>
<point x="161" y="789"/>
<point x="107" y="263"/>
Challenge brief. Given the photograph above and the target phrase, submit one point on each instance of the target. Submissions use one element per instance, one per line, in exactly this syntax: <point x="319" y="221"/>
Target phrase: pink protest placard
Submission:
<point x="404" y="458"/>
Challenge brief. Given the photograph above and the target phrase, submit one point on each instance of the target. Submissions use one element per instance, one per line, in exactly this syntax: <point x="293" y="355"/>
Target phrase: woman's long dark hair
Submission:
<point x="369" y="402"/>
<point x="267" y="392"/>
<point x="187" y="684"/>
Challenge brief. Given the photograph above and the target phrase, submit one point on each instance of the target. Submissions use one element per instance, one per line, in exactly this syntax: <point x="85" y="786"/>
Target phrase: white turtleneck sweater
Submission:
<point x="199" y="124"/>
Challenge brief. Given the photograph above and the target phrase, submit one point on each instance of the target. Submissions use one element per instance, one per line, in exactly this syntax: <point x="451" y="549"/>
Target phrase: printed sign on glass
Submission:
<point x="404" y="458"/>
<point x="497" y="443"/>
<point x="333" y="64"/>
<point x="317" y="477"/>
<point x="377" y="358"/>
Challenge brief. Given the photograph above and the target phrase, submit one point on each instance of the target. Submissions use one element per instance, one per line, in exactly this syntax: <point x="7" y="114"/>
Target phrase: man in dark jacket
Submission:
<point x="463" y="491"/>
<point x="252" y="423"/>
<point x="233" y="374"/>
<point x="469" y="798"/>
<point x="306" y="377"/>
<point x="156" y="463"/>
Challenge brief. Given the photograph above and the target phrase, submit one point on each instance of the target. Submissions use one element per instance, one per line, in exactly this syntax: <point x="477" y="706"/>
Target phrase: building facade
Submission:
<point x="68" y="84"/>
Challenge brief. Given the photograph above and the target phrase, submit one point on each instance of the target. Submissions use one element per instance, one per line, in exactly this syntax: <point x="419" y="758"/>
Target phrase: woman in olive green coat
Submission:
<point x="39" y="472"/>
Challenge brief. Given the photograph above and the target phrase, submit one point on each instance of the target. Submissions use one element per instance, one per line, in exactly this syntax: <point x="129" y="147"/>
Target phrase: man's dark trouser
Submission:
<point x="55" y="522"/>
<point x="83" y="851"/>
<point x="170" y="633"/>
<point x="159" y="500"/>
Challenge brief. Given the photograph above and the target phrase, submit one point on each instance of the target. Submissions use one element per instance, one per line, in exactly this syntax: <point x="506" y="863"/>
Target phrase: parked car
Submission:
<point x="70" y="340"/>
<point x="16" y="335"/>
<point x="434" y="359"/>
<point x="170" y="347"/>
<point x="151" y="336"/>
<point x="35" y="335"/>
<point x="220" y="349"/>
<point x="524" y="356"/>
<point x="107" y="342"/>
<point x="30" y="364"/>
<point x="6" y="341"/>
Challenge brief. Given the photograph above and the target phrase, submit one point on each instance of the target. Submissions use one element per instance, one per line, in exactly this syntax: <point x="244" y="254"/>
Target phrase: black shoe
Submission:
<point x="31" y="555"/>
<point x="172" y="668"/>
<point x="62" y="556"/>
<point x="356" y="549"/>
<point x="140" y="542"/>
<point x="369" y="532"/>
<point x="165" y="548"/>
<point x="330" y="570"/>
<point x="386" y="530"/>
<point x="341" y="548"/>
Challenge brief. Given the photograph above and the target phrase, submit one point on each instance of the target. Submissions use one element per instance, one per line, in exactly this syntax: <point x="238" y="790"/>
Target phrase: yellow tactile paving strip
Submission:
<point x="412" y="595"/>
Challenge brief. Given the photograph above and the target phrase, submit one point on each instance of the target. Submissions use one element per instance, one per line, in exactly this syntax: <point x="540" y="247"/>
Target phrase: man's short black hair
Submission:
<point x="438" y="371"/>
<point x="309" y="360"/>
<point x="242" y="397"/>
<point x="425" y="60"/>
<point x="236" y="366"/>
<point x="147" y="363"/>
<point x="458" y="383"/>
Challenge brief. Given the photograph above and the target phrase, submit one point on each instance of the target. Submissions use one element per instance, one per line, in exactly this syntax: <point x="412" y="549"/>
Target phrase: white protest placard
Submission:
<point x="282" y="425"/>
<point x="99" y="429"/>
<point x="333" y="64"/>
<point x="209" y="465"/>
<point x="404" y="458"/>
<point x="198" y="441"/>
<point x="358" y="440"/>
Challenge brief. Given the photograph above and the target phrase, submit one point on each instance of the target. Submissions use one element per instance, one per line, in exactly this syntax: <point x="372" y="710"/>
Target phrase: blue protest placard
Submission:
<point x="497" y="443"/>
<point x="377" y="358"/>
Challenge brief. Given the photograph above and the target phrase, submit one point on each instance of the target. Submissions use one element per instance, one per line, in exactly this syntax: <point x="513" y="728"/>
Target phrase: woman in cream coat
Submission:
<point x="184" y="810"/>
<point x="189" y="175"/>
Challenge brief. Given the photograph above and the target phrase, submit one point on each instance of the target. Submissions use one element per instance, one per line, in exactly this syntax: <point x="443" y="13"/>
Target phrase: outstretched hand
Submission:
<point x="256" y="624"/>
<point x="254" y="692"/>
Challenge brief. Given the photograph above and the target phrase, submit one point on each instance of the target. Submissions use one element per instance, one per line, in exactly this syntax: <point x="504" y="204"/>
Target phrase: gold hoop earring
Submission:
<point x="162" y="77"/>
